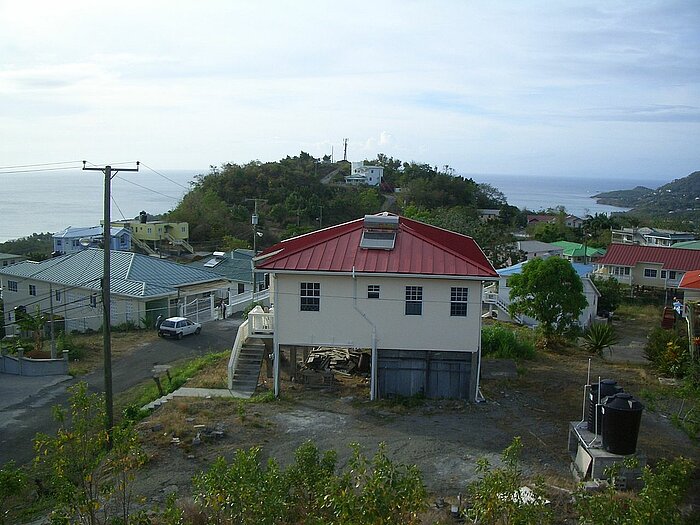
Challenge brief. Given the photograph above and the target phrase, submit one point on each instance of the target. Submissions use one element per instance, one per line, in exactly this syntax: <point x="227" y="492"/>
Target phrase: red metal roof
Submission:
<point x="691" y="280"/>
<point x="669" y="258"/>
<point x="419" y="249"/>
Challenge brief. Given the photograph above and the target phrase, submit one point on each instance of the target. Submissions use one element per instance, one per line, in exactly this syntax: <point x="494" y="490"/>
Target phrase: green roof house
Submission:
<point x="576" y="252"/>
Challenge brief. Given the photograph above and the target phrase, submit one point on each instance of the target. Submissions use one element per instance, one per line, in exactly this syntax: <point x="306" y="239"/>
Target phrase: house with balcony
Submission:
<point x="651" y="266"/>
<point x="156" y="237"/>
<point x="74" y="239"/>
<point x="406" y="292"/>
<point x="497" y="295"/>
<point x="142" y="288"/>
<point x="650" y="236"/>
<point x="361" y="174"/>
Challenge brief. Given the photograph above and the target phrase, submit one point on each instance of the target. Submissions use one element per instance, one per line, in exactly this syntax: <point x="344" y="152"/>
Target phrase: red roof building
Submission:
<point x="407" y="292"/>
<point x="654" y="266"/>
<point x="419" y="249"/>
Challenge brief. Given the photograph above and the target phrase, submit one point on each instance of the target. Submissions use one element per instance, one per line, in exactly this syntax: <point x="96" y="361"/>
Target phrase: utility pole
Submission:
<point x="320" y="217"/>
<point x="53" y="335"/>
<point x="109" y="173"/>
<point x="345" y="149"/>
<point x="254" y="224"/>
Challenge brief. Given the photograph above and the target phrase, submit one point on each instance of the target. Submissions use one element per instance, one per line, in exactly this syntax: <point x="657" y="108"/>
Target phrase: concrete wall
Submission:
<point x="339" y="323"/>
<point x="24" y="366"/>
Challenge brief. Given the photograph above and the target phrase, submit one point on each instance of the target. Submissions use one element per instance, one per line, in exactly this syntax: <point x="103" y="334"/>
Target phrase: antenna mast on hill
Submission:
<point x="345" y="149"/>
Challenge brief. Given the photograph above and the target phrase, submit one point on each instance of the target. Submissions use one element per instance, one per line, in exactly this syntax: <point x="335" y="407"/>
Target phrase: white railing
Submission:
<point x="241" y="337"/>
<point x="492" y="298"/>
<point x="239" y="302"/>
<point x="262" y="322"/>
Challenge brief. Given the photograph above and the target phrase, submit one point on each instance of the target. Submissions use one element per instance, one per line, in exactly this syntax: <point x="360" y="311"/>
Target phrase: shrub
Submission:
<point x="598" y="337"/>
<point x="501" y="342"/>
<point x="13" y="481"/>
<point x="668" y="351"/>
<point x="657" y="503"/>
<point x="67" y="342"/>
<point x="497" y="498"/>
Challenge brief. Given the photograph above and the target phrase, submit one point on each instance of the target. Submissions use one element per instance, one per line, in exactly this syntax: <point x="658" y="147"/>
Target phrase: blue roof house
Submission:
<point x="69" y="240"/>
<point x="142" y="288"/>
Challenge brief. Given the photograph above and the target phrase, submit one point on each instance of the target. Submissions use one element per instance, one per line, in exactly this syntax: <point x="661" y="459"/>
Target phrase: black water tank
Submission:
<point x="607" y="387"/>
<point x="143" y="217"/>
<point x="622" y="414"/>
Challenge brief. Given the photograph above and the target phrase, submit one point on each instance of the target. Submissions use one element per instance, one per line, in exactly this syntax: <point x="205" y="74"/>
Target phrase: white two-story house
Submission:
<point x="408" y="292"/>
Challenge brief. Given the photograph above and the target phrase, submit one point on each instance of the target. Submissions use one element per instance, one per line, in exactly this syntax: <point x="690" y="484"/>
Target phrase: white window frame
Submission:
<point x="12" y="286"/>
<point x="32" y="289"/>
<point x="414" y="300"/>
<point x="310" y="297"/>
<point x="651" y="273"/>
<point x="373" y="291"/>
<point x="459" y="300"/>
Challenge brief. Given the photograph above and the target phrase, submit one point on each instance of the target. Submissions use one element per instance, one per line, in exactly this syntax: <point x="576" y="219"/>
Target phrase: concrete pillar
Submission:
<point x="276" y="369"/>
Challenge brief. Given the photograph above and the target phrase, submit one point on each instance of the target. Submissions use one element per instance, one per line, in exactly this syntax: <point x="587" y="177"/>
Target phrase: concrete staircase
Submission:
<point x="247" y="371"/>
<point x="180" y="242"/>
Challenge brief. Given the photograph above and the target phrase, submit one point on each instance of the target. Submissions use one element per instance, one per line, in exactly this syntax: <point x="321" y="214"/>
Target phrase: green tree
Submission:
<point x="611" y="293"/>
<point x="550" y="291"/>
<point x="34" y="325"/>
<point x="91" y="484"/>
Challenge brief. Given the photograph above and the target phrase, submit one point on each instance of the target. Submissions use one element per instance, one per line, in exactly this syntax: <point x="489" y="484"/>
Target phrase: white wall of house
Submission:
<point x="338" y="322"/>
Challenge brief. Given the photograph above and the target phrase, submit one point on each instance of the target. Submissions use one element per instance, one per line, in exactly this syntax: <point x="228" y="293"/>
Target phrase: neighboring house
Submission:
<point x="690" y="284"/>
<point x="650" y="236"/>
<point x="155" y="237"/>
<point x="8" y="259"/>
<point x="577" y="252"/>
<point x="498" y="296"/>
<point x="570" y="221"/>
<point x="408" y="292"/>
<point x="652" y="266"/>
<point x="237" y="267"/>
<point x="361" y="174"/>
<point x="688" y="245"/>
<point x="69" y="240"/>
<point x="141" y="289"/>
<point x="533" y="249"/>
<point x="489" y="215"/>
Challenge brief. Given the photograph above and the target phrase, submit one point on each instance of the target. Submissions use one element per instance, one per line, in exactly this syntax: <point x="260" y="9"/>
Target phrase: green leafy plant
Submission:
<point x="668" y="351"/>
<point x="598" y="337"/>
<point x="88" y="481"/>
<point x="501" y="342"/>
<point x="497" y="497"/>
<point x="658" y="503"/>
<point x="310" y="491"/>
<point x="13" y="482"/>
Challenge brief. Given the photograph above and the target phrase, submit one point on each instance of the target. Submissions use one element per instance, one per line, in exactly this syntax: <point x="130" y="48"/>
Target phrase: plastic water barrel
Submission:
<point x="607" y="387"/>
<point x="622" y="414"/>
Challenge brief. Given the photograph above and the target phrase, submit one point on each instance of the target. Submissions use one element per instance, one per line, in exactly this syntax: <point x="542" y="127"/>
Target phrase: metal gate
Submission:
<point x="199" y="309"/>
<point x="432" y="374"/>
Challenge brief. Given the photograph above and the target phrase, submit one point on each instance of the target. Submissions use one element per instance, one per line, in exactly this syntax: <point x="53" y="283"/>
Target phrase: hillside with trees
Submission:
<point x="299" y="194"/>
<point x="680" y="198"/>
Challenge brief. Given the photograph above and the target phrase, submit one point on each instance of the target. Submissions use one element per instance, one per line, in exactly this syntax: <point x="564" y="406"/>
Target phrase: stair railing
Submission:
<point x="241" y="337"/>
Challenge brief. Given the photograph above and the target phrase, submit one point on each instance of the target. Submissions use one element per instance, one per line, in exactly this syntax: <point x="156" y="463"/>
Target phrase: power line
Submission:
<point x="36" y="165"/>
<point x="148" y="189"/>
<point x="165" y="177"/>
<point x="40" y="170"/>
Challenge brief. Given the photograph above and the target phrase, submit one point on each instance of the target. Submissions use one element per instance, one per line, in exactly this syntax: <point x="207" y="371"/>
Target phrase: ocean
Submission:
<point x="49" y="201"/>
<point x="574" y="193"/>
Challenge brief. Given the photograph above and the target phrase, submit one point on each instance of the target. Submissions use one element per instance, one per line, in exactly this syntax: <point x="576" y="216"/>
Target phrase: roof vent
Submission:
<point x="379" y="232"/>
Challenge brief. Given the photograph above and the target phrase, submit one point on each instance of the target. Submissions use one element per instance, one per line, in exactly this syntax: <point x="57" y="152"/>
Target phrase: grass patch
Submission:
<point x="179" y="375"/>
<point x="502" y="342"/>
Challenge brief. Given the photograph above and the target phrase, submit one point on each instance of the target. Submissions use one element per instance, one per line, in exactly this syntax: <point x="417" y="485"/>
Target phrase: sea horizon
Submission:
<point x="51" y="201"/>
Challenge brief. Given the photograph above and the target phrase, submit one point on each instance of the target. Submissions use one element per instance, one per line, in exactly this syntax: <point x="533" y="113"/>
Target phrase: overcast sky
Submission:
<point x="552" y="88"/>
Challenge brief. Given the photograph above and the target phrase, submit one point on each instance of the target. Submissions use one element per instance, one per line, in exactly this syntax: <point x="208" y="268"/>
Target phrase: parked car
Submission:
<point x="178" y="327"/>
